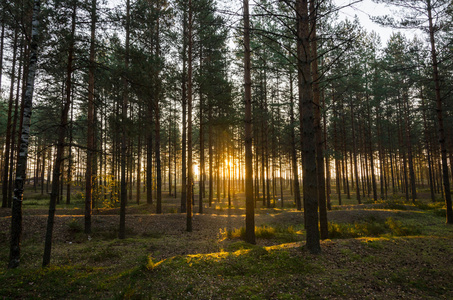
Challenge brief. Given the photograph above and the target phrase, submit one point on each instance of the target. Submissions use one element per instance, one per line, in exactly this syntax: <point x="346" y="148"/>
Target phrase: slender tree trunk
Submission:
<point x="62" y="132"/>
<point x="157" y="127"/>
<point x="123" y="200"/>
<point x="327" y="160"/>
<point x="184" y="115"/>
<point x="354" y="154"/>
<point x="201" y="179"/>
<point x="409" y="147"/>
<point x="439" y="109"/>
<point x="321" y="181"/>
<point x="428" y="150"/>
<point x="16" y="216"/>
<point x="189" y="122"/>
<point x="13" y="132"/>
<point x="2" y="39"/>
<point x="210" y="152"/>
<point x="249" y="203"/>
<point x="8" y="143"/>
<point x="297" y="198"/>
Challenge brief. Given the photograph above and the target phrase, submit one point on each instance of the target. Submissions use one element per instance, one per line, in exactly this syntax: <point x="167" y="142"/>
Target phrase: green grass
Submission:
<point x="408" y="255"/>
<point x="371" y="228"/>
<point x="398" y="267"/>
<point x="267" y="232"/>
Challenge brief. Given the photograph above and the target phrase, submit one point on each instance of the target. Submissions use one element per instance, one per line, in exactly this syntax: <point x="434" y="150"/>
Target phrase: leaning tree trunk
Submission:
<point x="16" y="215"/>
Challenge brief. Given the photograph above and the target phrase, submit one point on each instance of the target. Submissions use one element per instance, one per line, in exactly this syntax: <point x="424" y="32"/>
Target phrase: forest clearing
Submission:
<point x="391" y="249"/>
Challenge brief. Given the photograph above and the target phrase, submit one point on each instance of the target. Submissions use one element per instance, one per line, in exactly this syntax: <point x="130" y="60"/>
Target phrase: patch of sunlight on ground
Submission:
<point x="284" y="246"/>
<point x="373" y="239"/>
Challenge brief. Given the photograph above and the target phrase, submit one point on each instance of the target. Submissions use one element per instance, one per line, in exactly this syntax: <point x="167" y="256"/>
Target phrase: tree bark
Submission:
<point x="62" y="132"/>
<point x="439" y="109"/>
<point x="295" y="169"/>
<point x="310" y="188"/>
<point x="249" y="203"/>
<point x="123" y="200"/>
<point x="16" y="216"/>
<point x="189" y="122"/>
<point x="90" y="127"/>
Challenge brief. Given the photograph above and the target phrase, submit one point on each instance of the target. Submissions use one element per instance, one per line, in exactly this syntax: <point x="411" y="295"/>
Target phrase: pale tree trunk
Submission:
<point x="68" y="92"/>
<point x="249" y="203"/>
<point x="57" y="168"/>
<point x="308" y="141"/>
<point x="16" y="217"/>
<point x="90" y="127"/>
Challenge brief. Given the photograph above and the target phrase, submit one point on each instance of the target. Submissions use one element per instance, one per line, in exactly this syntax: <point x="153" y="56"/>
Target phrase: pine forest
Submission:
<point x="203" y="149"/>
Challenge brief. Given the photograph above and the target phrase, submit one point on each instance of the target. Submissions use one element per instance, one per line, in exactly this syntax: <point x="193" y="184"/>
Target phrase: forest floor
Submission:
<point x="383" y="250"/>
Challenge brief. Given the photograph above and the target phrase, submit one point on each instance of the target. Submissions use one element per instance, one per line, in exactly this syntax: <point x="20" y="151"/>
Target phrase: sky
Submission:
<point x="364" y="10"/>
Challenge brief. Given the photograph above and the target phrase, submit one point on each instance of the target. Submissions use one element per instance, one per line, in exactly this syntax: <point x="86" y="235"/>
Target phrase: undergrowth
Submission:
<point x="371" y="228"/>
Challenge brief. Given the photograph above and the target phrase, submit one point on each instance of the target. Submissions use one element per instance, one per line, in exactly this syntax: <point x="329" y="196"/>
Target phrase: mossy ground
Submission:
<point x="375" y="252"/>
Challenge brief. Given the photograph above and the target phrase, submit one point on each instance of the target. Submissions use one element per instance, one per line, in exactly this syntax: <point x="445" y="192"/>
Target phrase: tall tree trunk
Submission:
<point x="8" y="143"/>
<point x="310" y="188"/>
<point x="354" y="153"/>
<point x="249" y="203"/>
<point x="16" y="216"/>
<point x="2" y="39"/>
<point x="293" y="148"/>
<point x="409" y="147"/>
<point x="62" y="132"/>
<point x="14" y="130"/>
<point x="201" y="180"/>
<point x="321" y="181"/>
<point x="123" y="200"/>
<point x="189" y="122"/>
<point x="327" y="159"/>
<point x="157" y="128"/>
<point x="184" y="116"/>
<point x="439" y="109"/>
<point x="210" y="153"/>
